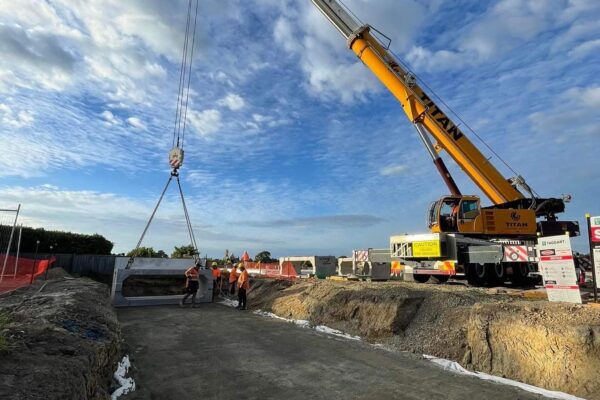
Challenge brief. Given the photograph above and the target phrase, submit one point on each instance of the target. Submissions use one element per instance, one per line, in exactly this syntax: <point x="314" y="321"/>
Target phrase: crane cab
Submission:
<point x="464" y="214"/>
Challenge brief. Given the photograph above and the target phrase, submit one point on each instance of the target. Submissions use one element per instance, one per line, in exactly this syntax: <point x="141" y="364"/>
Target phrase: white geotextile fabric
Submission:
<point x="458" y="369"/>
<point x="126" y="384"/>
<point x="305" y="324"/>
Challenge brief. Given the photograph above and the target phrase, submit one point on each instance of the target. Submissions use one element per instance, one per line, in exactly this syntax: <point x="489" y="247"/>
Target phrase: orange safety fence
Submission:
<point x="21" y="272"/>
<point x="271" y="270"/>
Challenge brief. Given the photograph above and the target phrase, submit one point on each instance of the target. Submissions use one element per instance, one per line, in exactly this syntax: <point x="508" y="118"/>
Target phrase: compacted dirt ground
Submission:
<point x="217" y="352"/>
<point x="551" y="345"/>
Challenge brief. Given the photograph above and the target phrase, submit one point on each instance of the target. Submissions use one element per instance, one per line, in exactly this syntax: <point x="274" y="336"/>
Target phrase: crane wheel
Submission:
<point x="520" y="275"/>
<point x="439" y="278"/>
<point x="480" y="274"/>
<point x="498" y="273"/>
<point x="421" y="278"/>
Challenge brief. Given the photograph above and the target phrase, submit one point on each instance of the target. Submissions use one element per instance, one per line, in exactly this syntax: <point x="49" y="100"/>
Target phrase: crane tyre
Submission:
<point x="498" y="273"/>
<point x="421" y="278"/>
<point x="437" y="279"/>
<point x="519" y="274"/>
<point x="479" y="274"/>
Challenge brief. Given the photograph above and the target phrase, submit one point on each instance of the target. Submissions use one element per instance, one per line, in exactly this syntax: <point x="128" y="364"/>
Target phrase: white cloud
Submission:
<point x="585" y="48"/>
<point x="205" y="122"/>
<point x="330" y="67"/>
<point x="16" y="120"/>
<point x="232" y="101"/>
<point x="136" y="123"/>
<point x="573" y="115"/>
<point x="393" y="170"/>
<point x="506" y="25"/>
<point x="110" y="118"/>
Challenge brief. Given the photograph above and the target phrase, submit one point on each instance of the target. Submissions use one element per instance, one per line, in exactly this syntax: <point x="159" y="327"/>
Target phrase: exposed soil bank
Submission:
<point x="63" y="341"/>
<point x="554" y="346"/>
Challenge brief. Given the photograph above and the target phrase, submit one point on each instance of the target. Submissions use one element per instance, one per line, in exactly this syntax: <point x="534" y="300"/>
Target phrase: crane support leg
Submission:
<point x="437" y="160"/>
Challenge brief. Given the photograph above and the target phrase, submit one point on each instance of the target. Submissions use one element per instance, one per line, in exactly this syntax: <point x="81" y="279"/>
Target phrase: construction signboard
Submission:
<point x="596" y="253"/>
<point x="558" y="269"/>
<point x="426" y="248"/>
<point x="594" y="237"/>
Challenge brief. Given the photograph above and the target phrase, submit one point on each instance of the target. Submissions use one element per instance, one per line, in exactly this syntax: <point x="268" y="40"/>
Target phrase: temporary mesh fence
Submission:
<point x="272" y="270"/>
<point x="22" y="272"/>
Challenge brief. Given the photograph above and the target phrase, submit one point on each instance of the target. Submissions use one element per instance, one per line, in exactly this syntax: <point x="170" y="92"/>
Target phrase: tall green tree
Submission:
<point x="61" y="242"/>
<point x="161" y="254"/>
<point x="143" y="252"/>
<point x="185" y="251"/>
<point x="263" y="257"/>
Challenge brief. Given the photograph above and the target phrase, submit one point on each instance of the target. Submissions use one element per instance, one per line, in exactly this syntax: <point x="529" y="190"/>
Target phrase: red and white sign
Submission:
<point x="558" y="269"/>
<point x="361" y="255"/>
<point x="595" y="225"/>
<point x="515" y="253"/>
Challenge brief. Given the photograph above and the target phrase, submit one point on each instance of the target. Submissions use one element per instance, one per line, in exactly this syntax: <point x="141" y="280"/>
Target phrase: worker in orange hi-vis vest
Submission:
<point x="233" y="277"/>
<point x="243" y="286"/>
<point x="216" y="274"/>
<point x="192" y="283"/>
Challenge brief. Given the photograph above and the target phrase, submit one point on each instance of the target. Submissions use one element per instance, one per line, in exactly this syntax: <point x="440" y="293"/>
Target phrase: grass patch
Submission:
<point x="4" y="320"/>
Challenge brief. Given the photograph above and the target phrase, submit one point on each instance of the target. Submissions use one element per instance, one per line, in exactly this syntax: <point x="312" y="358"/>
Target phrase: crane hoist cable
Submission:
<point x="176" y="152"/>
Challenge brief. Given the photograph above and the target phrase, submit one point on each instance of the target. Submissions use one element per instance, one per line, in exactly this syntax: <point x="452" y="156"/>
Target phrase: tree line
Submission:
<point x="61" y="242"/>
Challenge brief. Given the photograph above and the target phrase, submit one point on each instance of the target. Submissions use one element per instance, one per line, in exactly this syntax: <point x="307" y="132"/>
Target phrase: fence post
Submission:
<point x="37" y="244"/>
<point x="592" y="260"/>
<point x="10" y="242"/>
<point x="18" y="251"/>
<point x="49" y="260"/>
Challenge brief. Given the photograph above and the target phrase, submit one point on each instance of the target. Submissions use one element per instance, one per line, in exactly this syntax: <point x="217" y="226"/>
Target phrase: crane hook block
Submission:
<point x="176" y="158"/>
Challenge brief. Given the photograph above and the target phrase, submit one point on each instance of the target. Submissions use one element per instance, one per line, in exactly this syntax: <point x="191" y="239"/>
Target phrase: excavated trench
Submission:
<point x="550" y="345"/>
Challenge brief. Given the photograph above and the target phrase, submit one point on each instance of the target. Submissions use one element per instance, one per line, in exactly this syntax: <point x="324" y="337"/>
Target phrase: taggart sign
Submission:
<point x="558" y="269"/>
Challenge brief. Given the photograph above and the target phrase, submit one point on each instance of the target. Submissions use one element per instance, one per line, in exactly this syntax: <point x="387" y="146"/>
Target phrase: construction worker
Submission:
<point x="243" y="286"/>
<point x="192" y="283"/>
<point x="216" y="273"/>
<point x="233" y="277"/>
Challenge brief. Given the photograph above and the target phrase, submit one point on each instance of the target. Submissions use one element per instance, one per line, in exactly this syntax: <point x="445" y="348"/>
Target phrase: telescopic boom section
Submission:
<point x="418" y="106"/>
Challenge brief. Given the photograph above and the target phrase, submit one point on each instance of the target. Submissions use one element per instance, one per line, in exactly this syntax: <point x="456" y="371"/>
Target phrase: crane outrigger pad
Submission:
<point x="156" y="267"/>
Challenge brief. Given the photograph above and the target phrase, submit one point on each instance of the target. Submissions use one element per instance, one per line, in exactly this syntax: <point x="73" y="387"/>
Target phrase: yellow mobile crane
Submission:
<point x="488" y="244"/>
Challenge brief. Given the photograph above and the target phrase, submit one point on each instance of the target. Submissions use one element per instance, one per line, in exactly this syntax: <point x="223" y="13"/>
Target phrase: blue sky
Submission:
<point x="292" y="146"/>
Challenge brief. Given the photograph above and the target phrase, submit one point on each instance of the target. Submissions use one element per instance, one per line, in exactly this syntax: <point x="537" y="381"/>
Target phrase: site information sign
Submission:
<point x="597" y="263"/>
<point x="558" y="269"/>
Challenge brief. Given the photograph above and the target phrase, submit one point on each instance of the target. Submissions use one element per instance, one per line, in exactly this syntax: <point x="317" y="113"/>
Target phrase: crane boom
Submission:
<point x="421" y="110"/>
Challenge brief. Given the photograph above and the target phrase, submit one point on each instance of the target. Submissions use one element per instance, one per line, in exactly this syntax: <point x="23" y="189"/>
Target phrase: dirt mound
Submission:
<point x="62" y="341"/>
<point x="555" y="346"/>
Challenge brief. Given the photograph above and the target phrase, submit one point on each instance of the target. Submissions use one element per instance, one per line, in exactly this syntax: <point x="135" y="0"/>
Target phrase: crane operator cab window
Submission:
<point x="469" y="209"/>
<point x="448" y="215"/>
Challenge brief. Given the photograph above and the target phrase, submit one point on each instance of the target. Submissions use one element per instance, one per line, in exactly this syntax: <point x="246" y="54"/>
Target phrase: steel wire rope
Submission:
<point x="187" y="217"/>
<point x="177" y="131"/>
<point x="189" y="75"/>
<point x="181" y="76"/>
